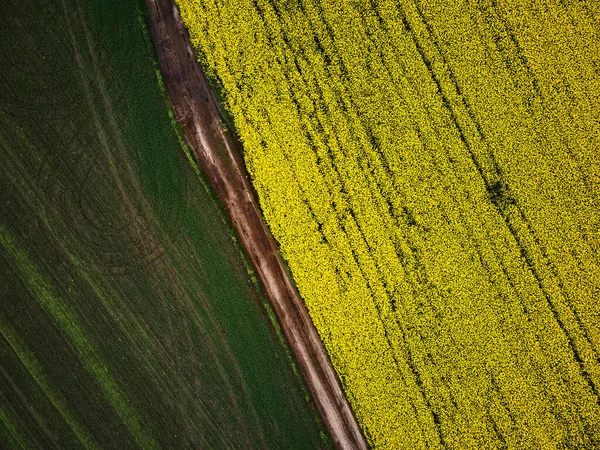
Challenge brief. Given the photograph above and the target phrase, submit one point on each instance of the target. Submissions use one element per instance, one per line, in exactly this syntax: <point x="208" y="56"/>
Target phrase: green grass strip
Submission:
<point x="35" y="370"/>
<point x="67" y="320"/>
<point x="10" y="432"/>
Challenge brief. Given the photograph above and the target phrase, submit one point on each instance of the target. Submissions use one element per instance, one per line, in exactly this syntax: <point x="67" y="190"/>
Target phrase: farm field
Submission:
<point x="431" y="173"/>
<point x="219" y="155"/>
<point x="128" y="315"/>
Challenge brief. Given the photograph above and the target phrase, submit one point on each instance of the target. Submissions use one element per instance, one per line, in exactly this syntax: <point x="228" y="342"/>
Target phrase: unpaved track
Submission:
<point x="219" y="156"/>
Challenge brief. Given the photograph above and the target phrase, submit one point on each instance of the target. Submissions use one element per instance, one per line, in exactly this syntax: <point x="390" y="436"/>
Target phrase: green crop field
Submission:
<point x="128" y="318"/>
<point x="431" y="171"/>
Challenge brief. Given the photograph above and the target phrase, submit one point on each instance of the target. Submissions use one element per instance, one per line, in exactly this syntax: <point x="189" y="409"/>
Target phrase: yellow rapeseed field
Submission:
<point x="431" y="171"/>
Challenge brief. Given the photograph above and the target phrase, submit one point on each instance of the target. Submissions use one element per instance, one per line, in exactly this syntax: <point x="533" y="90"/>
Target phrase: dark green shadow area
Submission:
<point x="128" y="318"/>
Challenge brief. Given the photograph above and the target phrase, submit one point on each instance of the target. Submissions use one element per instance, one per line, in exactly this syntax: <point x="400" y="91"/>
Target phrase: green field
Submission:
<point x="431" y="171"/>
<point x="128" y="318"/>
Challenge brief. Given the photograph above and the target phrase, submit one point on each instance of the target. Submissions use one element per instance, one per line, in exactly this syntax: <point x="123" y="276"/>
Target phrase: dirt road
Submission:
<point x="219" y="156"/>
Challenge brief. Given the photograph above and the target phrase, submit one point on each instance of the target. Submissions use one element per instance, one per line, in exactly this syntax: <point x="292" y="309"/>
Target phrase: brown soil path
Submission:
<point x="219" y="156"/>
